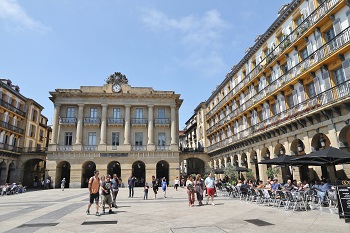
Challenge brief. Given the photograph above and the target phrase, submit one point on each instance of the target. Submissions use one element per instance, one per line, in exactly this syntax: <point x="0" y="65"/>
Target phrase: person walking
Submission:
<point x="94" y="187"/>
<point x="131" y="184"/>
<point x="106" y="187"/>
<point x="176" y="183"/>
<point x="145" y="192"/>
<point x="115" y="187"/>
<point x="190" y="191"/>
<point x="164" y="184"/>
<point x="103" y="178"/>
<point x="154" y="186"/>
<point x="63" y="183"/>
<point x="209" y="184"/>
<point x="199" y="184"/>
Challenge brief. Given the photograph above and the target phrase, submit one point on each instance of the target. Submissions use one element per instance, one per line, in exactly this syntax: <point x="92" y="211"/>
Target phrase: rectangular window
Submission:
<point x="161" y="139"/>
<point x="116" y="113"/>
<point x="339" y="76"/>
<point x="290" y="101"/>
<point x="161" y="113"/>
<point x="92" y="139"/>
<point x="68" y="138"/>
<point x="304" y="54"/>
<point x="41" y="135"/>
<point x="93" y="112"/>
<point x="115" y="139"/>
<point x="70" y="112"/>
<point x="311" y="90"/>
<point x="14" y="141"/>
<point x="329" y="35"/>
<point x="138" y="138"/>
<point x="139" y="113"/>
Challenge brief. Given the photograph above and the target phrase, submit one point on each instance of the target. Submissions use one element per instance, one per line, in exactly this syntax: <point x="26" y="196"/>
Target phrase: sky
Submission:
<point x="186" y="46"/>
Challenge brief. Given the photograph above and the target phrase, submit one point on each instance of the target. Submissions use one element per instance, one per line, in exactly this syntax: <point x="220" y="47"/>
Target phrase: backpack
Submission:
<point x="92" y="179"/>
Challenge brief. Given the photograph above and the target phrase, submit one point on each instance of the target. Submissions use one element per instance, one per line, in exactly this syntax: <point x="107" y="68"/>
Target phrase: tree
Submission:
<point x="272" y="172"/>
<point x="231" y="172"/>
<point x="249" y="174"/>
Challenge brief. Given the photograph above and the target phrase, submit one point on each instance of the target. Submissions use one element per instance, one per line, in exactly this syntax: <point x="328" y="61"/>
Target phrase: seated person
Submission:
<point x="275" y="185"/>
<point x="239" y="183"/>
<point x="289" y="186"/>
<point x="260" y="185"/>
<point x="245" y="185"/>
<point x="323" y="188"/>
<point x="268" y="185"/>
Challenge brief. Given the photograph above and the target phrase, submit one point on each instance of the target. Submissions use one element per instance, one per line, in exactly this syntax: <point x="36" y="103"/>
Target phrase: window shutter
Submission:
<point x="309" y="48"/>
<point x="346" y="67"/>
<point x="311" y="6"/>
<point x="267" y="111"/>
<point x="296" y="58"/>
<point x="295" y="97"/>
<point x="325" y="77"/>
<point x="348" y="16"/>
<point x="337" y="26"/>
<point x="302" y="93"/>
<point x="317" y="85"/>
<point x="282" y="103"/>
<point x="318" y="39"/>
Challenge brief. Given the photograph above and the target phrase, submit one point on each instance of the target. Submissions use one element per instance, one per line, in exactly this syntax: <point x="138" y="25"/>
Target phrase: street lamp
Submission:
<point x="322" y="141"/>
<point x="282" y="150"/>
<point x="300" y="146"/>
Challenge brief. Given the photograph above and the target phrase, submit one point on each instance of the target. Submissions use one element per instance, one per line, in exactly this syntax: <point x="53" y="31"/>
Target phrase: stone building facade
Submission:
<point x="288" y="95"/>
<point x="114" y="128"/>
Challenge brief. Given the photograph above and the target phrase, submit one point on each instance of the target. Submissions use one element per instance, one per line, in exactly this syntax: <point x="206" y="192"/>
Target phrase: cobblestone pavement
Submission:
<point x="64" y="211"/>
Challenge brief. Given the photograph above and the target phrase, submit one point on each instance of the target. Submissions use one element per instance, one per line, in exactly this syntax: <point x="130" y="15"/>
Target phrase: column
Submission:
<point x="150" y="143"/>
<point x="56" y="116"/>
<point x="173" y="125"/>
<point x="103" y="125"/>
<point x="80" y="124"/>
<point x="127" y="125"/>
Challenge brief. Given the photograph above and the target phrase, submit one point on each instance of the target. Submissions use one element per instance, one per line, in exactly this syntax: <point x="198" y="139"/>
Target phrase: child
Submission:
<point x="145" y="190"/>
<point x="164" y="184"/>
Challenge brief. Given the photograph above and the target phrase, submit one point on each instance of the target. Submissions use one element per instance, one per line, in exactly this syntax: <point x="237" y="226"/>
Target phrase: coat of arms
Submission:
<point x="117" y="78"/>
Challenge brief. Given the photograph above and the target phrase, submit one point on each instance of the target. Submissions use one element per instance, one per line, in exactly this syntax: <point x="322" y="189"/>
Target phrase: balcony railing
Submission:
<point x="325" y="98"/>
<point x="162" y="148"/>
<point x="68" y="120"/>
<point x="64" y="148"/>
<point x="92" y="121"/>
<point x="90" y="148"/>
<point x="10" y="127"/>
<point x="320" y="54"/>
<point x="12" y="108"/>
<point x="34" y="150"/>
<point x="138" y="148"/>
<point x="7" y="147"/>
<point x="162" y="121"/>
<point x="311" y="20"/>
<point x="115" y="121"/>
<point x="139" y="121"/>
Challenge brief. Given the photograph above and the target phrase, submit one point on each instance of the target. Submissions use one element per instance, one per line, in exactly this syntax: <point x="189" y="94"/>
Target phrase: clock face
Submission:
<point x="117" y="88"/>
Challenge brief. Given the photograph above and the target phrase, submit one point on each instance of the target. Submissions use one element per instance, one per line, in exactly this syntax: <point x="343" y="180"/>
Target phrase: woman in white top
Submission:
<point x="190" y="191"/>
<point x="176" y="182"/>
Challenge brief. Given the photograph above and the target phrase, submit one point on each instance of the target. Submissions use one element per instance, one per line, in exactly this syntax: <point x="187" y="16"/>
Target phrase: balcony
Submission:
<point x="12" y="108"/>
<point x="92" y="122"/>
<point x="68" y="121"/>
<point x="162" y="122"/>
<point x="32" y="150"/>
<point x="139" y="122"/>
<point x="115" y="122"/>
<point x="64" y="148"/>
<point x="7" y="147"/>
<point x="138" y="148"/>
<point x="329" y="97"/>
<point x="307" y="65"/>
<point x="162" y="148"/>
<point x="315" y="17"/>
<point x="89" y="148"/>
<point x="10" y="127"/>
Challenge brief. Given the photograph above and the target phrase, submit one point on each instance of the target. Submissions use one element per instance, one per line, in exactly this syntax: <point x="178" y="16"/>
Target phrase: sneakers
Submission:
<point x="110" y="211"/>
<point x="206" y="203"/>
<point x="98" y="214"/>
<point x="213" y="204"/>
<point x="88" y="212"/>
<point x="103" y="210"/>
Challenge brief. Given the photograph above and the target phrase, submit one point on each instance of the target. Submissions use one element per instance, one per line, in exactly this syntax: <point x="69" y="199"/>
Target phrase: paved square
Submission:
<point x="64" y="211"/>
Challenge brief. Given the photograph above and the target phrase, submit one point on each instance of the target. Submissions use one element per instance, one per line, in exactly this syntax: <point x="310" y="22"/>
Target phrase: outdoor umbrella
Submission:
<point x="327" y="156"/>
<point x="290" y="160"/>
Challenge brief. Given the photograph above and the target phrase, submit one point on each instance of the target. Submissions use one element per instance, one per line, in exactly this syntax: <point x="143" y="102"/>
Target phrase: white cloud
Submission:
<point x="203" y="31"/>
<point x="12" y="12"/>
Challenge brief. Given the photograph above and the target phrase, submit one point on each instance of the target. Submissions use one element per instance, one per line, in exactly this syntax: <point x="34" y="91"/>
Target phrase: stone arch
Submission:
<point x="279" y="150"/>
<point x="297" y="147"/>
<point x="344" y="136"/>
<point x="62" y="171"/>
<point x="162" y="170"/>
<point x="195" y="166"/>
<point x="244" y="160"/>
<point x="235" y="160"/>
<point x="34" y="172"/>
<point x="88" y="169"/>
<point x="114" y="167"/>
<point x="139" y="171"/>
<point x="3" y="172"/>
<point x="253" y="157"/>
<point x="319" y="141"/>
<point x="11" y="173"/>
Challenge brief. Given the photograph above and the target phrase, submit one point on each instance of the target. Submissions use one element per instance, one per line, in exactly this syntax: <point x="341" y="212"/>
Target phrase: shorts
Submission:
<point x="106" y="199"/>
<point x="94" y="196"/>
<point x="164" y="188"/>
<point x="210" y="191"/>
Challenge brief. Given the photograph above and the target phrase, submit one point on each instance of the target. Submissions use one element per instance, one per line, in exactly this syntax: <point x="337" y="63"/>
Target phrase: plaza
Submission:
<point x="64" y="211"/>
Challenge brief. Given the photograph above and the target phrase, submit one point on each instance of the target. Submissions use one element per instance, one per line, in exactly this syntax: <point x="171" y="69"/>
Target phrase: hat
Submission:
<point x="275" y="179"/>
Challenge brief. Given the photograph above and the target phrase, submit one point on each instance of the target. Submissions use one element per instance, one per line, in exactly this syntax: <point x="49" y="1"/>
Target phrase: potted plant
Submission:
<point x="272" y="172"/>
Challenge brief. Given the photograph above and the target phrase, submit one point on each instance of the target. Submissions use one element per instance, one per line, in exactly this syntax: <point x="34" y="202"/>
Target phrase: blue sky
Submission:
<point x="182" y="46"/>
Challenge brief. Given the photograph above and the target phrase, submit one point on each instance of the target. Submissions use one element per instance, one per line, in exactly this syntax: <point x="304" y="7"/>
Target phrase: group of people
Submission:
<point x="198" y="186"/>
<point x="9" y="189"/>
<point x="108" y="187"/>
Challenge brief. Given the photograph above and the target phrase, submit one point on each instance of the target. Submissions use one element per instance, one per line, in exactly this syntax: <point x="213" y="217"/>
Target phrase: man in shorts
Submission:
<point x="106" y="187"/>
<point x="94" y="187"/>
<point x="209" y="183"/>
<point x="115" y="187"/>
